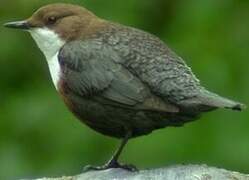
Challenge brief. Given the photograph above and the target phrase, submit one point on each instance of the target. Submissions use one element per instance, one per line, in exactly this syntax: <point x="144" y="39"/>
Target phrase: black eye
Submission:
<point x="52" y="20"/>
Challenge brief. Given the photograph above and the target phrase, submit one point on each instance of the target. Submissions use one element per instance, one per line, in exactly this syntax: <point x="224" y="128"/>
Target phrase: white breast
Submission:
<point x="50" y="44"/>
<point x="54" y="68"/>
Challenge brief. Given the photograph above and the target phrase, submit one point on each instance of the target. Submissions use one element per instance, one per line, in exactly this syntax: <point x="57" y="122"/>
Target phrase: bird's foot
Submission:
<point x="110" y="165"/>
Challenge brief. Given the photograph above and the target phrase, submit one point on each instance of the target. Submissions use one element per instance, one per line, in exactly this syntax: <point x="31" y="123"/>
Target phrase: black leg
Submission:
<point x="116" y="155"/>
<point x="113" y="162"/>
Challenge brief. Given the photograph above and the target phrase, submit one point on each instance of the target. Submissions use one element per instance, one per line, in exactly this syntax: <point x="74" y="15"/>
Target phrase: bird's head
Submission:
<point x="53" y="25"/>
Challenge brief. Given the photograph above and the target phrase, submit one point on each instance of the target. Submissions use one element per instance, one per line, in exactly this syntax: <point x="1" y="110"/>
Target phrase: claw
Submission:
<point x="113" y="163"/>
<point x="110" y="165"/>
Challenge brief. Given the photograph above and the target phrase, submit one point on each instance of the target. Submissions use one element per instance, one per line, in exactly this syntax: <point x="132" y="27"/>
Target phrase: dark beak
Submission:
<point x="24" y="25"/>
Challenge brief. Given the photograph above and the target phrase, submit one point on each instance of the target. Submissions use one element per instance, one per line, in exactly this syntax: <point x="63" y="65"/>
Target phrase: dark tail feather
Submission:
<point x="208" y="101"/>
<point x="214" y="100"/>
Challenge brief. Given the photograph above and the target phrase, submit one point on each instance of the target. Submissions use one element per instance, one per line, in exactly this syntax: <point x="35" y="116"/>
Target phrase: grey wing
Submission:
<point x="154" y="63"/>
<point x="90" y="70"/>
<point x="163" y="71"/>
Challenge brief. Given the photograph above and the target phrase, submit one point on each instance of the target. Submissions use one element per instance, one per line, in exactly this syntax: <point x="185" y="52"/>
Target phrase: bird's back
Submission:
<point x="164" y="72"/>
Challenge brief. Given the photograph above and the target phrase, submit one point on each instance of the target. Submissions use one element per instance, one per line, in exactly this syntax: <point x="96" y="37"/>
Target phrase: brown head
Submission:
<point x="53" y="25"/>
<point x="67" y="20"/>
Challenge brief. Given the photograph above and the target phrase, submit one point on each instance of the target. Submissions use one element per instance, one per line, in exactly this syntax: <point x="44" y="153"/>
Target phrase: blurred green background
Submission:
<point x="40" y="137"/>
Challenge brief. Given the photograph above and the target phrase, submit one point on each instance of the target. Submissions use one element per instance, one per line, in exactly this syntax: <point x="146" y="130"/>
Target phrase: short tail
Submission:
<point x="207" y="101"/>
<point x="213" y="100"/>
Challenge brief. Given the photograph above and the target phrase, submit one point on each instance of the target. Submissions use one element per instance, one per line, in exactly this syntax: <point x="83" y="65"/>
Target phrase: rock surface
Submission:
<point x="178" y="172"/>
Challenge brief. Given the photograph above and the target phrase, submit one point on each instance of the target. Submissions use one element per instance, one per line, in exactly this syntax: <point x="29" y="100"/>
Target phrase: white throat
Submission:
<point x="50" y="44"/>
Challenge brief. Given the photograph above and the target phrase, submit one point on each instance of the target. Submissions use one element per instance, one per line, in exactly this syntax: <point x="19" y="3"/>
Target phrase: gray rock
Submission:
<point x="178" y="172"/>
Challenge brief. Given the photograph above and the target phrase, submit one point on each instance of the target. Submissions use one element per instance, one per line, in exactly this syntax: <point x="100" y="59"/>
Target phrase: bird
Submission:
<point x="120" y="81"/>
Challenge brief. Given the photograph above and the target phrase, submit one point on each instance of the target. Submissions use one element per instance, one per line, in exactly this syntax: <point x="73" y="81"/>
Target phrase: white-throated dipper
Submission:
<point x="118" y="80"/>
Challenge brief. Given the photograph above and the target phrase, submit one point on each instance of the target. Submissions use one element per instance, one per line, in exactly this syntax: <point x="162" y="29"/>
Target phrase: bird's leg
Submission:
<point x="113" y="162"/>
